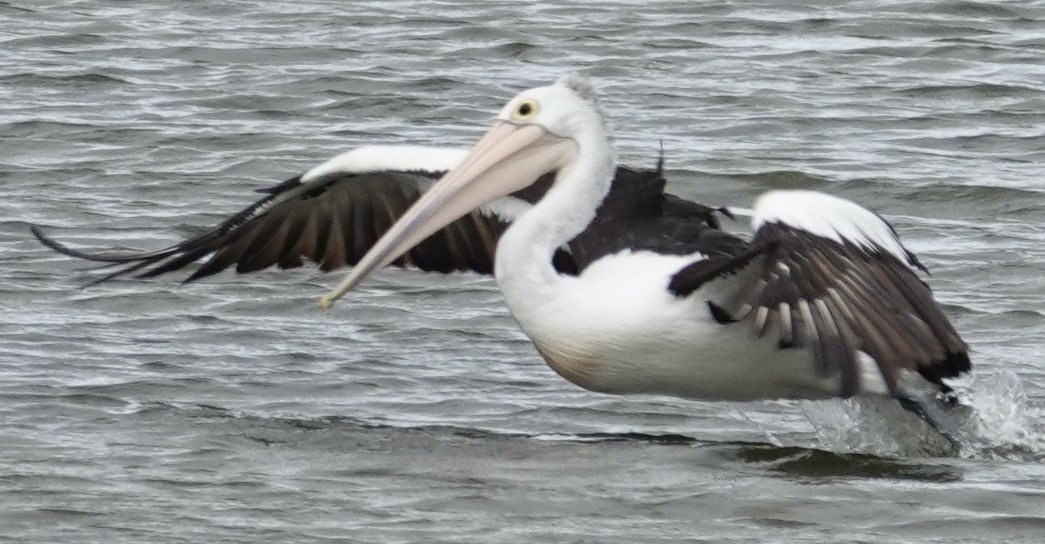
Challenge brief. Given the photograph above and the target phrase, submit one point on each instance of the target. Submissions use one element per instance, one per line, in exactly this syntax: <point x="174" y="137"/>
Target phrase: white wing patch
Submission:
<point x="739" y="212"/>
<point x="400" y="158"/>
<point x="830" y="217"/>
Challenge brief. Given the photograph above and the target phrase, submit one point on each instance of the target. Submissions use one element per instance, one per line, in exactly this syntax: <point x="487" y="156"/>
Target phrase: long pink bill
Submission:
<point x="508" y="158"/>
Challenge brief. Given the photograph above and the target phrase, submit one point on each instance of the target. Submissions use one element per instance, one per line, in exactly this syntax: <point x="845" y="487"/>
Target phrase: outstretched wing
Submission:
<point x="331" y="215"/>
<point x="826" y="275"/>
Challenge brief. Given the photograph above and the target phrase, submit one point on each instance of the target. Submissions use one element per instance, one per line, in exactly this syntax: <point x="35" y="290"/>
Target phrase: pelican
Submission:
<point x="823" y="301"/>
<point x="334" y="212"/>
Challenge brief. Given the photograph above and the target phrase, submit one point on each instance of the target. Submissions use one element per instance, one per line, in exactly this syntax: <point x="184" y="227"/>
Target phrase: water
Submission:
<point x="233" y="411"/>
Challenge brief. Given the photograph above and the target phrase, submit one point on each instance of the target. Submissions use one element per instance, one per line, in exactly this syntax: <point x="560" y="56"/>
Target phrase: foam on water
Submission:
<point x="1002" y="424"/>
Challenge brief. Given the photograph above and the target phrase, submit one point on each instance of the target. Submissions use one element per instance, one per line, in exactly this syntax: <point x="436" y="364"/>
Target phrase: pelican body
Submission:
<point x="823" y="301"/>
<point x="621" y="287"/>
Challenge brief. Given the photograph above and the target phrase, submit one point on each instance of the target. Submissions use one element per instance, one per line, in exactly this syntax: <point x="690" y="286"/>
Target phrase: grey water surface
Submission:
<point x="233" y="410"/>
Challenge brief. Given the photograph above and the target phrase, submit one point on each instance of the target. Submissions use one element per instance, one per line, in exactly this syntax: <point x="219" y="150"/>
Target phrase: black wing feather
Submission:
<point x="332" y="221"/>
<point x="838" y="299"/>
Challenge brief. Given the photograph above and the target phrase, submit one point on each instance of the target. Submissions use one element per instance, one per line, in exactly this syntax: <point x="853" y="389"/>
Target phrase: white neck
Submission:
<point x="523" y="264"/>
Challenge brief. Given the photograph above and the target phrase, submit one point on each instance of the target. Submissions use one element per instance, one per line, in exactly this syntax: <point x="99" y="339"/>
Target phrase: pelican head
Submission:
<point x="540" y="131"/>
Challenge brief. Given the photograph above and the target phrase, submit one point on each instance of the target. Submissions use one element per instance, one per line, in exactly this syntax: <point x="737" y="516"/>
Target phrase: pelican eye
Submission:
<point x="526" y="110"/>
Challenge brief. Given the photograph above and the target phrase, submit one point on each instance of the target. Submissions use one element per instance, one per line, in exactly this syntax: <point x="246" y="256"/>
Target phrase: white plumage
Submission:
<point x="376" y="158"/>
<point x="829" y="216"/>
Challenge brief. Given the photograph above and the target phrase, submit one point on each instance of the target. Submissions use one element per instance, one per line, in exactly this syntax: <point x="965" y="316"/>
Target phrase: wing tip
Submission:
<point x="952" y="365"/>
<point x="55" y="245"/>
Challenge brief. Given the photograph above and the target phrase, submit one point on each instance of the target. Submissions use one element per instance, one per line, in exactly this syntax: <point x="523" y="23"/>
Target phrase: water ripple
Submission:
<point x="230" y="410"/>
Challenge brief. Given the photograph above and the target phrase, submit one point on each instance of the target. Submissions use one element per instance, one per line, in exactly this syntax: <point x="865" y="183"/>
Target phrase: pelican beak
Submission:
<point x="508" y="158"/>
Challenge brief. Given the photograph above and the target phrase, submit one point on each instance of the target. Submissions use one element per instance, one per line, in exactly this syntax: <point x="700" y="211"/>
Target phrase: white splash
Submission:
<point x="1002" y="424"/>
<point x="1007" y="426"/>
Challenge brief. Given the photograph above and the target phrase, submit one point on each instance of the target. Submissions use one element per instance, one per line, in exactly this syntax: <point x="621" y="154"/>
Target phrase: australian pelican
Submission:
<point x="823" y="301"/>
<point x="621" y="287"/>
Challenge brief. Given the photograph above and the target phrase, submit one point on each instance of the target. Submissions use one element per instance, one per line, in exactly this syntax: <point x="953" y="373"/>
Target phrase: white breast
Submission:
<point x="617" y="329"/>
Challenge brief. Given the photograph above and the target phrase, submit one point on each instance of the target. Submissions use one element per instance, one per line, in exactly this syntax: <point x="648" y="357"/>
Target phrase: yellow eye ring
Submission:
<point x="525" y="110"/>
